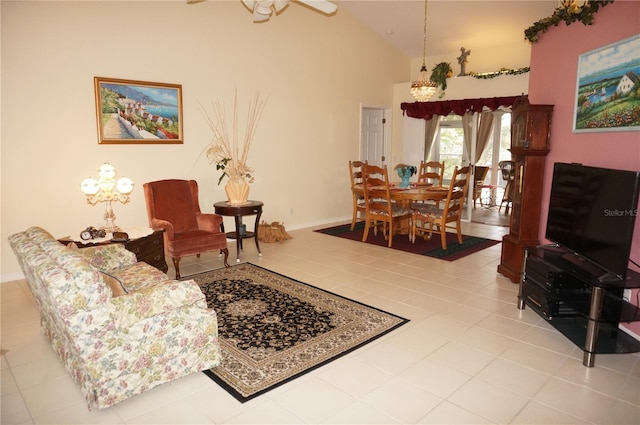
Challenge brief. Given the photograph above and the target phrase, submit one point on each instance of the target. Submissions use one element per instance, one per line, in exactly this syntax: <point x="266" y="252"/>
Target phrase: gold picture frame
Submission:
<point x="138" y="112"/>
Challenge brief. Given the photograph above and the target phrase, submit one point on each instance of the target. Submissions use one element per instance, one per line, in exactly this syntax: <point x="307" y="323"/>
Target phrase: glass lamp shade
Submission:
<point x="422" y="91"/>
<point x="106" y="171"/>
<point x="89" y="186"/>
<point x="424" y="88"/>
<point x="124" y="185"/>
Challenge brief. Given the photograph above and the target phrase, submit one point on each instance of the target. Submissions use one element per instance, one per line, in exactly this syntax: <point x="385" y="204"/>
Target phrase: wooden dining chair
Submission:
<point x="357" y="192"/>
<point x="433" y="219"/>
<point x="508" y="169"/>
<point x="479" y="174"/>
<point x="431" y="172"/>
<point x="379" y="208"/>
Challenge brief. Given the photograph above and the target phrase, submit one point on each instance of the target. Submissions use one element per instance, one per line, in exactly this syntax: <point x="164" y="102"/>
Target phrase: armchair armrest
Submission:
<point x="209" y="222"/>
<point x="109" y="257"/>
<point x="157" y="223"/>
<point x="156" y="300"/>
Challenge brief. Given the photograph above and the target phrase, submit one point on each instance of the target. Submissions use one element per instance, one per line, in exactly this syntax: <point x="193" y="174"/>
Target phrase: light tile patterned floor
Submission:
<point x="468" y="356"/>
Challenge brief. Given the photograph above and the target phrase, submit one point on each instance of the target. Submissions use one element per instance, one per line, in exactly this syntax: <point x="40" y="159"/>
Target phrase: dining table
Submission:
<point x="415" y="192"/>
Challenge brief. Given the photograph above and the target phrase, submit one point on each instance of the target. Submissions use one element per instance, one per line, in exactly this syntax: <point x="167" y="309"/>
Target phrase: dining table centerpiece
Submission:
<point x="405" y="172"/>
<point x="228" y="152"/>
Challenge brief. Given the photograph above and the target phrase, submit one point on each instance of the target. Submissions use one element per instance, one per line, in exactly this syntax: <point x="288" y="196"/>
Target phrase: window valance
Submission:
<point x="426" y="110"/>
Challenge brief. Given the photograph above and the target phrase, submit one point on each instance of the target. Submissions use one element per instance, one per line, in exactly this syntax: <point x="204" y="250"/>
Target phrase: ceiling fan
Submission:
<point x="262" y="9"/>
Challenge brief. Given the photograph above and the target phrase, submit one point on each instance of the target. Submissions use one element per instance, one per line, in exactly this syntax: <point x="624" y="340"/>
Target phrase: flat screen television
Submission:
<point x="592" y="212"/>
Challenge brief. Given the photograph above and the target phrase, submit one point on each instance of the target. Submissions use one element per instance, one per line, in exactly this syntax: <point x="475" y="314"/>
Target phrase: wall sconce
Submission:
<point x="107" y="189"/>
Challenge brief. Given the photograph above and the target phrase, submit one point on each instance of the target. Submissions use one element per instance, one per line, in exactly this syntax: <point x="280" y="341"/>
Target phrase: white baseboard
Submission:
<point x="10" y="277"/>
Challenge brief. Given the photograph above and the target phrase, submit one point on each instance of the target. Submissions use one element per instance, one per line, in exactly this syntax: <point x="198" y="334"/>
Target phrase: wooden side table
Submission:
<point x="149" y="249"/>
<point x="238" y="211"/>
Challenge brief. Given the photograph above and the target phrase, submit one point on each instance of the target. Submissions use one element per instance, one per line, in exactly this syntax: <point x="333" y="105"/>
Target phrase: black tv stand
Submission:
<point x="588" y="270"/>
<point x="580" y="300"/>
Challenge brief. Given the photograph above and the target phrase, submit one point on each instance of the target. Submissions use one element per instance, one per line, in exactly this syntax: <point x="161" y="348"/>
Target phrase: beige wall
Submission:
<point x="316" y="70"/>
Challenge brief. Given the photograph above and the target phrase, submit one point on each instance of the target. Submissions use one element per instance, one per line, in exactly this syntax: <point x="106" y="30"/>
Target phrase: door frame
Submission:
<point x="386" y="136"/>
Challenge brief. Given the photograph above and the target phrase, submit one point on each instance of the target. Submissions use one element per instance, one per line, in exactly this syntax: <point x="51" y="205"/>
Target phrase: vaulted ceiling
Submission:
<point x="451" y="24"/>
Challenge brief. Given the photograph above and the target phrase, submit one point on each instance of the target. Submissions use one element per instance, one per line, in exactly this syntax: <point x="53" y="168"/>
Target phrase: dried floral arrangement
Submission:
<point x="568" y="12"/>
<point x="226" y="150"/>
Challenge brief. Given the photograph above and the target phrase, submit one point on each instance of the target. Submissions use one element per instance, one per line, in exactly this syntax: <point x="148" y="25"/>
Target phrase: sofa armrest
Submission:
<point x="156" y="300"/>
<point x="157" y="223"/>
<point x="209" y="222"/>
<point x="109" y="257"/>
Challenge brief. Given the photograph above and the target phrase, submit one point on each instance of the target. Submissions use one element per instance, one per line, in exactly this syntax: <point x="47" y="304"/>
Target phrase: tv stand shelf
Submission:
<point x="580" y="300"/>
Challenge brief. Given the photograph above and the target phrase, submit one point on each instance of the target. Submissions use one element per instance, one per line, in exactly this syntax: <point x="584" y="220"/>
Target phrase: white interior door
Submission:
<point x="413" y="146"/>
<point x="373" y="136"/>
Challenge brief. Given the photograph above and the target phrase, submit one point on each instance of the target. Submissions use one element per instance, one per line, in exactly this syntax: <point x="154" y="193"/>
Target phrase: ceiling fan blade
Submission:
<point x="321" y="5"/>
<point x="260" y="17"/>
<point x="278" y="5"/>
<point x="194" y="1"/>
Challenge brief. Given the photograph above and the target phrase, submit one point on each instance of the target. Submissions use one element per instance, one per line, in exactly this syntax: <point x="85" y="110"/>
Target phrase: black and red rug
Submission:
<point x="430" y="248"/>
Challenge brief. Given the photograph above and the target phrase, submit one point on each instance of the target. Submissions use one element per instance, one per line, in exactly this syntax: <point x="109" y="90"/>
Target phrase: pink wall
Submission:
<point x="554" y="66"/>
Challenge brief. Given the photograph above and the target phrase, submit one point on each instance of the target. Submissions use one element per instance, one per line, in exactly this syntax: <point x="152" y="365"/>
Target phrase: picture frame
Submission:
<point x="607" y="88"/>
<point x="138" y="112"/>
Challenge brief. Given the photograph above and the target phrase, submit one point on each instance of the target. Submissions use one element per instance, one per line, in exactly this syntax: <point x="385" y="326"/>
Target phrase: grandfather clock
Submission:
<point x="530" y="126"/>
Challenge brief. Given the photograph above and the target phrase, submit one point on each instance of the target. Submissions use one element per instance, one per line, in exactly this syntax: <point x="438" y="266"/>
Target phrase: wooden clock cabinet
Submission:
<point x="530" y="127"/>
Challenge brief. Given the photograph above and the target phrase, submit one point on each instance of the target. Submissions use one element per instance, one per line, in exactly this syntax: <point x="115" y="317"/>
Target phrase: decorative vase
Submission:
<point x="405" y="174"/>
<point x="237" y="190"/>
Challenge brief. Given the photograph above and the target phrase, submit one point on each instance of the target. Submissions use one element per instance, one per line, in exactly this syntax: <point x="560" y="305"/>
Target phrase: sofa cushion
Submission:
<point x="109" y="257"/>
<point x="116" y="286"/>
<point x="138" y="276"/>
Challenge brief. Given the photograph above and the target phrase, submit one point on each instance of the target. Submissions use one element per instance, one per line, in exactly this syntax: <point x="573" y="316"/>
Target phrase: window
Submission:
<point x="448" y="145"/>
<point x="497" y="149"/>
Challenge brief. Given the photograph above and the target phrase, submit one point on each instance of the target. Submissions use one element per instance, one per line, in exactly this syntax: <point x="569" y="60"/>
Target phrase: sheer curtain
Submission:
<point x="467" y="120"/>
<point x="430" y="130"/>
<point x="483" y="133"/>
<point x="485" y="126"/>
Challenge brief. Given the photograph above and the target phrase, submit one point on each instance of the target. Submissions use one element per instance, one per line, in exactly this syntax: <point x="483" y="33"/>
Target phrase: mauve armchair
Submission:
<point x="173" y="205"/>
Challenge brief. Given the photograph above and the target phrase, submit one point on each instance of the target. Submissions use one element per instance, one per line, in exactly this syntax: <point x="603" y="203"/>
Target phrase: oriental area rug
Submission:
<point x="430" y="248"/>
<point x="273" y="329"/>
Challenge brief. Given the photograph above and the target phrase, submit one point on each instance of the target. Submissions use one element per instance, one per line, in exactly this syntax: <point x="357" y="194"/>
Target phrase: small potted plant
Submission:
<point x="439" y="75"/>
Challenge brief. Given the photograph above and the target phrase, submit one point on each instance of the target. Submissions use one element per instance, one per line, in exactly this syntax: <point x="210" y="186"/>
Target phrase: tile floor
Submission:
<point x="468" y="356"/>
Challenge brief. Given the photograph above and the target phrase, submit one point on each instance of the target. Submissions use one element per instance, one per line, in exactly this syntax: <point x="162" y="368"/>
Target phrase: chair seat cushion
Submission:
<point x="396" y="211"/>
<point x="426" y="210"/>
<point x="195" y="241"/>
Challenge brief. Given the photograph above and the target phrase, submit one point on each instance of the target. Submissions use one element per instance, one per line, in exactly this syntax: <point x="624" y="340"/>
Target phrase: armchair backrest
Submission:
<point x="175" y="201"/>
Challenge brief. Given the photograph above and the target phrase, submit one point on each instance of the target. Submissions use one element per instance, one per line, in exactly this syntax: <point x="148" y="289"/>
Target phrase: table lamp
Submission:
<point x="107" y="189"/>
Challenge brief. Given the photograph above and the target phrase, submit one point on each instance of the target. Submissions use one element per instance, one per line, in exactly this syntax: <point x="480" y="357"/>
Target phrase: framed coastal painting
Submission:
<point x="138" y="112"/>
<point x="608" y="88"/>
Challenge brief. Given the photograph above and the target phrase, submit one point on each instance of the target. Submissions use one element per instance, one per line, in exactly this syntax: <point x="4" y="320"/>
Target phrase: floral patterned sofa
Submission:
<point x="120" y="326"/>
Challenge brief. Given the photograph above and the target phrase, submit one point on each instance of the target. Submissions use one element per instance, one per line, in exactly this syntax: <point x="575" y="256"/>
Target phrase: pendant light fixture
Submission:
<point x="424" y="88"/>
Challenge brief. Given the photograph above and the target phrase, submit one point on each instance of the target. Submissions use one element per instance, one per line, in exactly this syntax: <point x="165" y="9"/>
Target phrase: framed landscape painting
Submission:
<point x="138" y="112"/>
<point x="608" y="88"/>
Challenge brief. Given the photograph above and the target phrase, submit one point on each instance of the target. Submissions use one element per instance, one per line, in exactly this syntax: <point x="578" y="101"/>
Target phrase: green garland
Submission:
<point x="568" y="12"/>
<point x="502" y="71"/>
